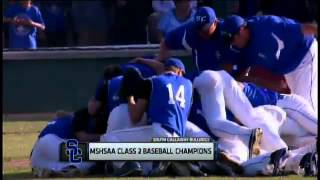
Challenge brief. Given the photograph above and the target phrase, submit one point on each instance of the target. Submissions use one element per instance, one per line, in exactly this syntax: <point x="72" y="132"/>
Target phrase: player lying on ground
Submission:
<point x="81" y="126"/>
<point x="299" y="112"/>
<point x="265" y="163"/>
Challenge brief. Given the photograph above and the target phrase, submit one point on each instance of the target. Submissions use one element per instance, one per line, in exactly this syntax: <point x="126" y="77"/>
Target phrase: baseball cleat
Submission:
<point x="254" y="142"/>
<point x="180" y="168"/>
<point x="276" y="158"/>
<point x="159" y="168"/>
<point x="309" y="164"/>
<point x="130" y="168"/>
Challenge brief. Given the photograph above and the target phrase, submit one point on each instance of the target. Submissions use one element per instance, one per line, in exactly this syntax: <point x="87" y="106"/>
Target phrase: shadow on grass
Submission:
<point x="19" y="175"/>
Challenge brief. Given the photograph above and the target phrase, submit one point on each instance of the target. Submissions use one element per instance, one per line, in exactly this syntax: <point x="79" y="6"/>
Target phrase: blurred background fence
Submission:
<point x="48" y="79"/>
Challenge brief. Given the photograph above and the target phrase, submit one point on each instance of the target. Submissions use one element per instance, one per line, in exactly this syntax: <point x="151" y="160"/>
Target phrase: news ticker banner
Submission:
<point x="163" y="149"/>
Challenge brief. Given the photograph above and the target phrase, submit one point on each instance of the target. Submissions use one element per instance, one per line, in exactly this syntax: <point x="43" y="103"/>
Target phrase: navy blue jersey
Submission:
<point x="276" y="43"/>
<point x="145" y="70"/>
<point x="170" y="101"/>
<point x="61" y="127"/>
<point x="113" y="89"/>
<point x="259" y="96"/>
<point x="208" y="54"/>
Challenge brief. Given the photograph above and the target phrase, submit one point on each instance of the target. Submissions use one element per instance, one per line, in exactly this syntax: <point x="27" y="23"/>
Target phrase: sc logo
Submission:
<point x="73" y="151"/>
<point x="201" y="19"/>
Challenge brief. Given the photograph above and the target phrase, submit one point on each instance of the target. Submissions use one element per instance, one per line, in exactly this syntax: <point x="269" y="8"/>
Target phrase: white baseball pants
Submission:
<point x="46" y="152"/>
<point x="304" y="79"/>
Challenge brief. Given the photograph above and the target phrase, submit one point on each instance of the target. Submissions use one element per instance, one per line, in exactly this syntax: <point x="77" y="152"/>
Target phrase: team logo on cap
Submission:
<point x="201" y="19"/>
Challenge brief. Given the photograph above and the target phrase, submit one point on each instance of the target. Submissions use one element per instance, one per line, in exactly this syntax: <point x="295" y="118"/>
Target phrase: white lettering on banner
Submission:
<point x="152" y="151"/>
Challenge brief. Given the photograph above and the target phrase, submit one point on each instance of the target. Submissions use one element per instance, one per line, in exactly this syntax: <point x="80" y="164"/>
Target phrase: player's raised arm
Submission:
<point x="163" y="52"/>
<point x="177" y="39"/>
<point x="155" y="65"/>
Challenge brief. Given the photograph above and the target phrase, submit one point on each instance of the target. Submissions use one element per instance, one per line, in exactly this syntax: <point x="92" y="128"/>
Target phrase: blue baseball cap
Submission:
<point x="176" y="63"/>
<point x="231" y="25"/>
<point x="204" y="15"/>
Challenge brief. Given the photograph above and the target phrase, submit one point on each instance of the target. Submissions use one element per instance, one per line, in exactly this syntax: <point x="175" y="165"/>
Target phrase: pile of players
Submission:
<point x="259" y="131"/>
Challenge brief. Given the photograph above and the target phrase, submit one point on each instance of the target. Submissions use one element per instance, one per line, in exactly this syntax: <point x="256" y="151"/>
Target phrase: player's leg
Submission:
<point x="45" y="157"/>
<point x="213" y="107"/>
<point x="304" y="80"/>
<point x="295" y="162"/>
<point x="299" y="110"/>
<point x="194" y="131"/>
<point x="239" y="105"/>
<point x="236" y="149"/>
<point x="136" y="134"/>
<point x="280" y="160"/>
<point x="266" y="164"/>
<point x="224" y="89"/>
<point x="119" y="119"/>
<point x="294" y="134"/>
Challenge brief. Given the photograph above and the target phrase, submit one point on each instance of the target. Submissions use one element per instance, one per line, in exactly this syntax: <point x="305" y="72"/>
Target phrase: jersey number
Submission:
<point x="179" y="96"/>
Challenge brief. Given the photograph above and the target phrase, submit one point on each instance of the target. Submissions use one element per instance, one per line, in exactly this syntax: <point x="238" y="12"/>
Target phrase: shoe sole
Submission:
<point x="255" y="148"/>
<point x="275" y="159"/>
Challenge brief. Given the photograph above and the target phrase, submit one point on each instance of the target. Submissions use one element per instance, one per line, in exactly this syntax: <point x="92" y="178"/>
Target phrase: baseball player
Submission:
<point x="166" y="98"/>
<point x="203" y="38"/>
<point x="218" y="90"/>
<point x="301" y="121"/>
<point x="265" y="163"/>
<point x="281" y="45"/>
<point x="110" y="81"/>
<point x="300" y="115"/>
<point x="45" y="153"/>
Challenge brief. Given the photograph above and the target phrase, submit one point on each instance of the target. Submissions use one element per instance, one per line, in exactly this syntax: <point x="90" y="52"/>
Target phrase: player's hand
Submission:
<point x="16" y="21"/>
<point x="26" y="22"/>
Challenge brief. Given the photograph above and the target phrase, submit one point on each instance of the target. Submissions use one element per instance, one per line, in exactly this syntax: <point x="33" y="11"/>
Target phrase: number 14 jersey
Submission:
<point x="170" y="101"/>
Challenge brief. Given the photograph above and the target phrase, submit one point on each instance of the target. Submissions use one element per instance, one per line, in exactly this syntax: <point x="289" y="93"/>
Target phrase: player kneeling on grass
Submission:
<point x="83" y="126"/>
<point x="166" y="98"/>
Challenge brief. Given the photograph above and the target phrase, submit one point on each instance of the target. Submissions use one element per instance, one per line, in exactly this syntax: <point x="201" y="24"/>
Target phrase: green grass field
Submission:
<point x="20" y="136"/>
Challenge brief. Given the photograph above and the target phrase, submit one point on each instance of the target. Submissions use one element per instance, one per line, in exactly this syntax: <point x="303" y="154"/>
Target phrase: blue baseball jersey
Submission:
<point x="259" y="96"/>
<point x="113" y="89"/>
<point x="276" y="43"/>
<point x="170" y="102"/>
<point x="145" y="70"/>
<point x="108" y="92"/>
<point x="208" y="54"/>
<point x="21" y="36"/>
<point x="61" y="127"/>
